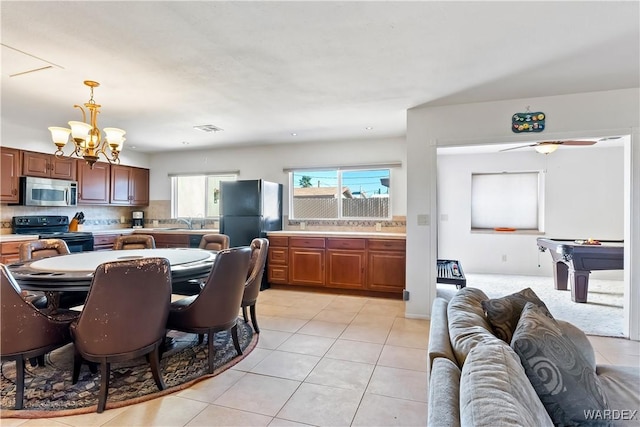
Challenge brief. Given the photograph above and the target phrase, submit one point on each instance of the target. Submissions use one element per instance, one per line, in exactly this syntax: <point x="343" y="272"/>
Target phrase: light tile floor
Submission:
<point x="321" y="360"/>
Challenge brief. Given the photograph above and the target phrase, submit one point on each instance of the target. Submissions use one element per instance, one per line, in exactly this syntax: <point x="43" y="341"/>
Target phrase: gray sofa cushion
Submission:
<point x="563" y="379"/>
<point x="444" y="392"/>
<point x="621" y="384"/>
<point x="495" y="391"/>
<point x="580" y="340"/>
<point x="504" y="313"/>
<point x="468" y="325"/>
<point x="439" y="344"/>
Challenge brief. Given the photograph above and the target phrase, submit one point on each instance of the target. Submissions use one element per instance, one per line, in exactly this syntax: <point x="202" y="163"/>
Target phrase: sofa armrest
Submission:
<point x="444" y="394"/>
<point x="439" y="342"/>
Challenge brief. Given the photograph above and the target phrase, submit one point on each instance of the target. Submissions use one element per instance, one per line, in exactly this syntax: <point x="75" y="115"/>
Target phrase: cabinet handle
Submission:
<point x="14" y="191"/>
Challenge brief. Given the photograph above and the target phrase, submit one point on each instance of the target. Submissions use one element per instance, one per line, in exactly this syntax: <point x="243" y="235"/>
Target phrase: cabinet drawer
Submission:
<point x="12" y="247"/>
<point x="278" y="255"/>
<point x="278" y="274"/>
<point x="346" y="243"/>
<point x="307" y="242"/>
<point x="104" y="239"/>
<point x="390" y="245"/>
<point x="278" y="241"/>
<point x="10" y="259"/>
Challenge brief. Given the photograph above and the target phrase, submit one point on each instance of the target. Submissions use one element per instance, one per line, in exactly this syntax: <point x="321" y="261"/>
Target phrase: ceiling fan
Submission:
<point x="547" y="147"/>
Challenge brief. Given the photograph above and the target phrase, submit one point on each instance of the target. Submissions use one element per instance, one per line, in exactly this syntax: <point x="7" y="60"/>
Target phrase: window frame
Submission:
<point x="205" y="175"/>
<point x="339" y="172"/>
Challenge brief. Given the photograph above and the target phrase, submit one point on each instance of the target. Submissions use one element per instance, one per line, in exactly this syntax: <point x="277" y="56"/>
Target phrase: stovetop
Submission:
<point x="65" y="235"/>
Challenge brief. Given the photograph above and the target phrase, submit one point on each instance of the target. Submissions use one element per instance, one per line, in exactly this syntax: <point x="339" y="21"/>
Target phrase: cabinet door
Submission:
<point x="93" y="184"/>
<point x="9" y="174"/>
<point x="139" y="186"/>
<point x="120" y="180"/>
<point x="306" y="266"/>
<point x="35" y="164"/>
<point x="346" y="269"/>
<point x="63" y="168"/>
<point x="48" y="166"/>
<point x="386" y="271"/>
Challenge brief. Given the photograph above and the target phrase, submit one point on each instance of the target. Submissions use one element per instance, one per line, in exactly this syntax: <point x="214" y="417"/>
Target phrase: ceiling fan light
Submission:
<point x="546" y="148"/>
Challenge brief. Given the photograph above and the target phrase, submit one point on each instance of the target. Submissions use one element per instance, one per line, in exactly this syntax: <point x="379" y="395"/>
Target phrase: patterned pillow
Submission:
<point x="564" y="380"/>
<point x="504" y="313"/>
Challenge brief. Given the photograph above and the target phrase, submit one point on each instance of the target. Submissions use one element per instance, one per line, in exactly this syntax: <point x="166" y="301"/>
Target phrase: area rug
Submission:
<point x="602" y="314"/>
<point x="49" y="392"/>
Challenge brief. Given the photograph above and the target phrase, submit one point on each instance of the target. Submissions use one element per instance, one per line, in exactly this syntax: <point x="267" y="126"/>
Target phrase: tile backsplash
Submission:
<point x="159" y="212"/>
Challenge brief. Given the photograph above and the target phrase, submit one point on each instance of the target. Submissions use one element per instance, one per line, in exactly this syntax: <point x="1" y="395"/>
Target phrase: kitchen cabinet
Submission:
<point x="346" y="260"/>
<point x="48" y="166"/>
<point x="129" y="186"/>
<point x="278" y="260"/>
<point x="306" y="261"/>
<point x="170" y="240"/>
<point x="11" y="250"/>
<point x="9" y="174"/>
<point x="386" y="265"/>
<point x="104" y="242"/>
<point x="361" y="265"/>
<point x="93" y="184"/>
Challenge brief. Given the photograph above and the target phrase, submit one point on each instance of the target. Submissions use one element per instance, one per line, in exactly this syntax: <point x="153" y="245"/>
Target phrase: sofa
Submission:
<point x="536" y="371"/>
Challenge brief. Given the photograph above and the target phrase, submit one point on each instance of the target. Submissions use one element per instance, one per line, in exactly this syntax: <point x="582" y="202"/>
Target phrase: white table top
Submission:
<point x="89" y="261"/>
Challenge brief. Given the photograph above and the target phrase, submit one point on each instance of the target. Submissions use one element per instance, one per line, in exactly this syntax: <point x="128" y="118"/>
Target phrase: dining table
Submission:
<point x="74" y="272"/>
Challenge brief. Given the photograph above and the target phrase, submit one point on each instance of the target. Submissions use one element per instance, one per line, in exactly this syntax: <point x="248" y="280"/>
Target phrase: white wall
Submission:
<point x="267" y="162"/>
<point x="581" y="115"/>
<point x="583" y="199"/>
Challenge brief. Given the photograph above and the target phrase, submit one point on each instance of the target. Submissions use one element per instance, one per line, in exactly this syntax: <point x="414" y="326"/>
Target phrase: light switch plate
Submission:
<point x="423" y="219"/>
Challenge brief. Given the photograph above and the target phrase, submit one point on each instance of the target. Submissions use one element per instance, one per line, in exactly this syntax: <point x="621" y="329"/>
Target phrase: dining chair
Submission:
<point x="215" y="308"/>
<point x="214" y="242"/>
<point x="45" y="248"/>
<point x="123" y="318"/>
<point x="25" y="331"/>
<point x="134" y="241"/>
<point x="259" y="250"/>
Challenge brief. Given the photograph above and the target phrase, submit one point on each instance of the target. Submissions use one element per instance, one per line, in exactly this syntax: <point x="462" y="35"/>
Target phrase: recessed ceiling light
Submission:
<point x="369" y="128"/>
<point x="133" y="147"/>
<point x="185" y="143"/>
<point x="208" y="128"/>
<point x="293" y="134"/>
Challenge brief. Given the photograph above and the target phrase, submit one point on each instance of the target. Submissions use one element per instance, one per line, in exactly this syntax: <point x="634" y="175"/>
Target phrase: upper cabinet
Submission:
<point x="93" y="184"/>
<point x="48" y="166"/>
<point x="129" y="186"/>
<point x="9" y="175"/>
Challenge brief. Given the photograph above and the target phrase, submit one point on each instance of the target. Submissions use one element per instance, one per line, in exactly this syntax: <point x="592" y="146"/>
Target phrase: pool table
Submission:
<point x="573" y="261"/>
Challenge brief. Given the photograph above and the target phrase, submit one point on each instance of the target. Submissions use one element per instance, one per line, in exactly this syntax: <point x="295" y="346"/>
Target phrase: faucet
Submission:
<point x="187" y="221"/>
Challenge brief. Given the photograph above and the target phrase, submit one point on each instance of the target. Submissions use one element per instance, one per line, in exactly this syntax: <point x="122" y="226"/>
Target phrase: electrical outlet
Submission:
<point x="378" y="226"/>
<point x="504" y="258"/>
<point x="122" y="220"/>
<point x="303" y="225"/>
<point x="156" y="223"/>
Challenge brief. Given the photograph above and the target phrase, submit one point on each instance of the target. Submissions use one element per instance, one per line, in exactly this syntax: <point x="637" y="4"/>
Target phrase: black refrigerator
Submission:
<point x="249" y="209"/>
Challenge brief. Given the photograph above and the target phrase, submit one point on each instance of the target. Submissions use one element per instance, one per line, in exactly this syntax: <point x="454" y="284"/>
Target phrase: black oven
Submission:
<point x="53" y="227"/>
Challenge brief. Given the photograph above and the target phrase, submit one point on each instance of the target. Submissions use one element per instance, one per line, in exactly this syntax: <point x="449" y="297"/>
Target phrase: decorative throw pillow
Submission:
<point x="503" y="313"/>
<point x="564" y="380"/>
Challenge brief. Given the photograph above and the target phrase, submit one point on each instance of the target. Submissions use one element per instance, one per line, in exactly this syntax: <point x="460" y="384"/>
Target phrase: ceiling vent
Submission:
<point x="208" y="128"/>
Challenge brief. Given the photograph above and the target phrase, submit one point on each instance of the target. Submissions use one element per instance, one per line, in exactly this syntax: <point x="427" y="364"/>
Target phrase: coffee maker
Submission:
<point x="137" y="219"/>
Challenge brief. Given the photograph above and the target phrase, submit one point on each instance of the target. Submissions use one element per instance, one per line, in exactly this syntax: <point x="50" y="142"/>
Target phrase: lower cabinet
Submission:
<point x="104" y="242"/>
<point x="11" y="251"/>
<point x="167" y="240"/>
<point x="357" y="264"/>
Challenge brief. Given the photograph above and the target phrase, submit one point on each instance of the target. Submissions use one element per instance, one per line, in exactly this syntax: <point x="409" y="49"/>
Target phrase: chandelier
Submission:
<point x="87" y="137"/>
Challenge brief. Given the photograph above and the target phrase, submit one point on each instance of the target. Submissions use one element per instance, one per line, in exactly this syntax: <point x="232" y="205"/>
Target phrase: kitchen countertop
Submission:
<point x="352" y="234"/>
<point x="17" y="237"/>
<point x="172" y="230"/>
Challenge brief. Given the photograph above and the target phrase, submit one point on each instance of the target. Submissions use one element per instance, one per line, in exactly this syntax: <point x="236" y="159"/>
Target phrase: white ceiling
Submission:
<point x="323" y="70"/>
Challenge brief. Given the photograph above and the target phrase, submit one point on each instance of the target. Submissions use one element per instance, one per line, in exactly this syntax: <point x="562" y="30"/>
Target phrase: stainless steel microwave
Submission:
<point x="48" y="192"/>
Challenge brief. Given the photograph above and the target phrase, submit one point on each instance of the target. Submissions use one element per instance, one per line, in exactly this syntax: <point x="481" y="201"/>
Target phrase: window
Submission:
<point x="340" y="194"/>
<point x="197" y="196"/>
<point x="508" y="199"/>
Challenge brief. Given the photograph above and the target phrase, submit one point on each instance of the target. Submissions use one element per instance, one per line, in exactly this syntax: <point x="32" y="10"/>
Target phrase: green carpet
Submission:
<point x="49" y="392"/>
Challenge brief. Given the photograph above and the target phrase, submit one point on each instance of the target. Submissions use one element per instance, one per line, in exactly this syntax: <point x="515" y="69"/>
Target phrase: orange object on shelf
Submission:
<point x="504" y="229"/>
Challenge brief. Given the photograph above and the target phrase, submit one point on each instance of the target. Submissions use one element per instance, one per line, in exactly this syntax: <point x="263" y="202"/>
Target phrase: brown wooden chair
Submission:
<point x="259" y="250"/>
<point x="215" y="308"/>
<point x="214" y="242"/>
<point x="134" y="241"/>
<point x="25" y="331"/>
<point x="123" y="318"/>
